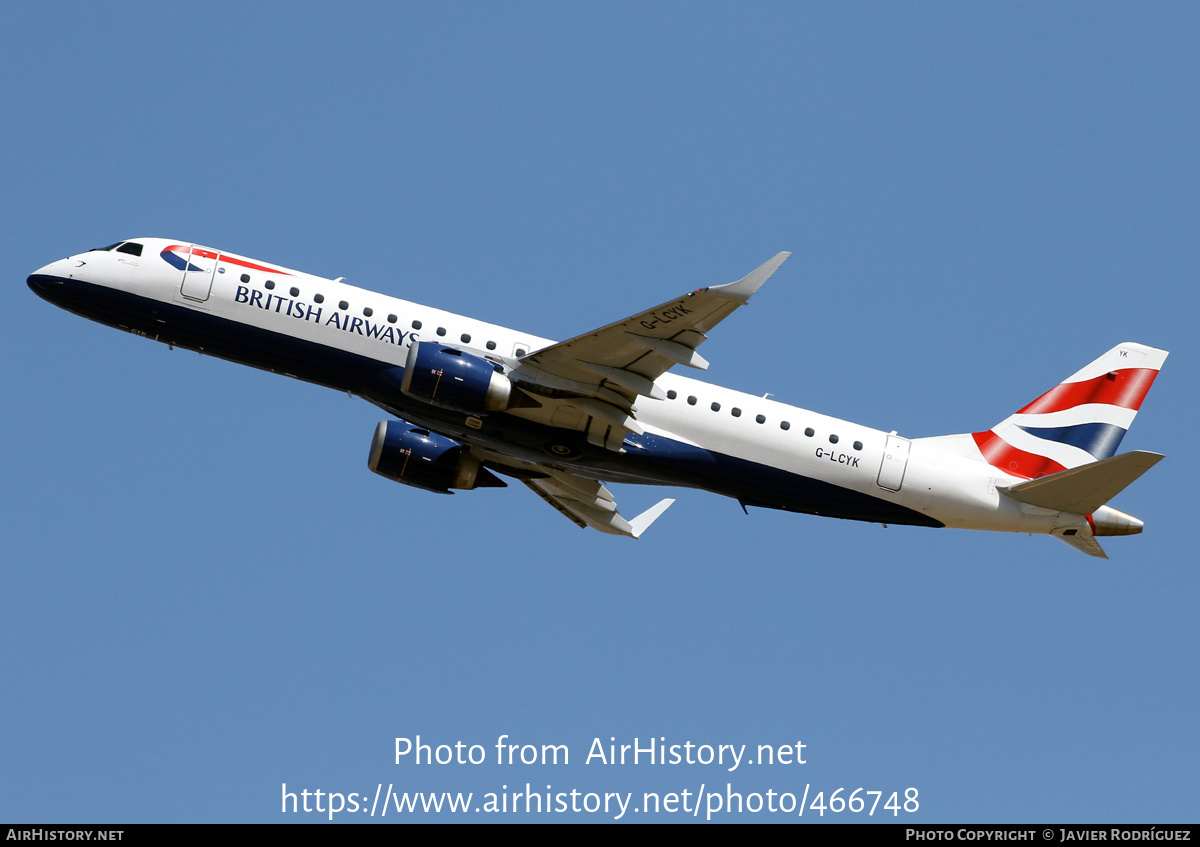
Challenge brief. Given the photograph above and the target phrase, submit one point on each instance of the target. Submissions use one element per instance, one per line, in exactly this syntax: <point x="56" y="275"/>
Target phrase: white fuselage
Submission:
<point x="944" y="478"/>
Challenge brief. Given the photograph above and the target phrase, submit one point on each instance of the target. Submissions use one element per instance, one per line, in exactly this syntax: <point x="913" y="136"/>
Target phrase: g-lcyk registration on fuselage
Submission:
<point x="475" y="400"/>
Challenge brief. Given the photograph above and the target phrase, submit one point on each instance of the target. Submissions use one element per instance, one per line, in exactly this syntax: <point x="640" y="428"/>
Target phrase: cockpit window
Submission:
<point x="130" y="247"/>
<point x="106" y="249"/>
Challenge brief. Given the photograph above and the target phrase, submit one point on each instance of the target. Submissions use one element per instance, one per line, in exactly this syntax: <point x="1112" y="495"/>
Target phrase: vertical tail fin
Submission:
<point x="1081" y="420"/>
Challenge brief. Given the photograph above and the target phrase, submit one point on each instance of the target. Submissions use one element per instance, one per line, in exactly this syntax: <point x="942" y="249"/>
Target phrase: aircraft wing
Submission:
<point x="608" y="368"/>
<point x="588" y="503"/>
<point x="644" y="346"/>
<point x="585" y="502"/>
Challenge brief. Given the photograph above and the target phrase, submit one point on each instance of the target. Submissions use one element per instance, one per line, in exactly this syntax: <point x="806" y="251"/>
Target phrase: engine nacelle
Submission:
<point x="414" y="456"/>
<point x="453" y="379"/>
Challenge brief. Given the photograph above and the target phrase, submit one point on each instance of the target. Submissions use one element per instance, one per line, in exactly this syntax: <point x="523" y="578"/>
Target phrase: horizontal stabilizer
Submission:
<point x="1084" y="544"/>
<point x="1084" y="489"/>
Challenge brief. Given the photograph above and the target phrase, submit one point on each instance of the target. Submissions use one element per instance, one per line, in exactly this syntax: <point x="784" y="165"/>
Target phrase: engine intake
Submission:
<point x="455" y="380"/>
<point x="413" y="456"/>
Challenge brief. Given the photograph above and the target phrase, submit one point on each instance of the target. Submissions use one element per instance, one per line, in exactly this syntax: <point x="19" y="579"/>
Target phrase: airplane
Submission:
<point x="474" y="402"/>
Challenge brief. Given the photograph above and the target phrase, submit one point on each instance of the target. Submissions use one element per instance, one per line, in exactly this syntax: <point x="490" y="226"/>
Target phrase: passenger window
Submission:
<point x="295" y="292"/>
<point x="736" y="412"/>
<point x="245" y="277"/>
<point x="343" y="305"/>
<point x="857" y="445"/>
<point x="269" y="285"/>
<point x="691" y="401"/>
<point x="716" y="407"/>
<point x="416" y="324"/>
<point x="760" y="418"/>
<point x="441" y="330"/>
<point x="466" y="339"/>
<point x="368" y="311"/>
<point x="391" y="319"/>
<point x="833" y="439"/>
<point x="784" y="425"/>
<point x="318" y="298"/>
<point x="491" y="345"/>
<point x="672" y="394"/>
<point x="809" y="431"/>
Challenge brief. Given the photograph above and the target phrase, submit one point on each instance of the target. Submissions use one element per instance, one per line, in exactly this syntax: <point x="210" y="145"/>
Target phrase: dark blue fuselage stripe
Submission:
<point x="649" y="459"/>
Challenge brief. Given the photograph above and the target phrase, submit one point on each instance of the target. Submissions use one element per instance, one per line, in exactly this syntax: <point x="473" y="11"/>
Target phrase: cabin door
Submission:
<point x="198" y="273"/>
<point x="895" y="460"/>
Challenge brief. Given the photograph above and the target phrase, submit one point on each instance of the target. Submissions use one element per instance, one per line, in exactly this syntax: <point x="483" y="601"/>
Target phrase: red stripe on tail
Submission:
<point x="1000" y="454"/>
<point x="1125" y="388"/>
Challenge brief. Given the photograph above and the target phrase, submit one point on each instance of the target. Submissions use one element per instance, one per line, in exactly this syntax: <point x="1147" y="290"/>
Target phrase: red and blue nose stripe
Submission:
<point x="176" y="256"/>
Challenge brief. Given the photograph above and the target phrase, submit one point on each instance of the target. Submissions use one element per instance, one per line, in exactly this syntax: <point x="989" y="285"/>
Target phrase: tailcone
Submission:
<point x="1109" y="521"/>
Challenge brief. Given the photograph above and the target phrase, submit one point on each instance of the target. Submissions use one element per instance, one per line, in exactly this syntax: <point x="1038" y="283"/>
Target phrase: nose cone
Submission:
<point x="41" y="283"/>
<point x="49" y="282"/>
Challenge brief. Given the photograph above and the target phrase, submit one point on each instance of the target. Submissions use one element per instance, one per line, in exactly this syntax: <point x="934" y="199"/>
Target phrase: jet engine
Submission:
<point x="414" y="456"/>
<point x="455" y="380"/>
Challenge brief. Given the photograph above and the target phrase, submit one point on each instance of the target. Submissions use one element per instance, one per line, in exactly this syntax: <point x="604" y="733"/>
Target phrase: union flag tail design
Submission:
<point x="1081" y="420"/>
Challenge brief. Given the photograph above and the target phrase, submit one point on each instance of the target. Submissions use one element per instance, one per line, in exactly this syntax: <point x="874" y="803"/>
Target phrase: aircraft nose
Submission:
<point x="40" y="282"/>
<point x="47" y="281"/>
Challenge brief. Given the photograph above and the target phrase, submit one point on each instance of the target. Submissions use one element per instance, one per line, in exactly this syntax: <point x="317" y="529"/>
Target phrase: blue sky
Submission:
<point x="207" y="594"/>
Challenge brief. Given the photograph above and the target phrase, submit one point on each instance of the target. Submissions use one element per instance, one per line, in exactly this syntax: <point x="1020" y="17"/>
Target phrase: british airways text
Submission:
<point x="314" y="313"/>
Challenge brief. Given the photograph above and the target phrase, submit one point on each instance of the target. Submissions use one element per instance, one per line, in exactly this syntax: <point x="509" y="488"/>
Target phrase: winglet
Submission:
<point x="642" y="522"/>
<point x="747" y="285"/>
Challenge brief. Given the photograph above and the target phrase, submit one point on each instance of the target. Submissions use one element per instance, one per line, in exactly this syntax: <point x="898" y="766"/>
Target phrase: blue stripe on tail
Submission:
<point x="1099" y="439"/>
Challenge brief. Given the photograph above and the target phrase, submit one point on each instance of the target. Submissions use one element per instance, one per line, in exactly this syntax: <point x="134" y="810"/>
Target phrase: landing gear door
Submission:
<point x="895" y="461"/>
<point x="198" y="273"/>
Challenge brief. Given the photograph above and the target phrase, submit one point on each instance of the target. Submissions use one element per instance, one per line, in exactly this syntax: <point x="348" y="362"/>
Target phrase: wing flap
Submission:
<point x="567" y="513"/>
